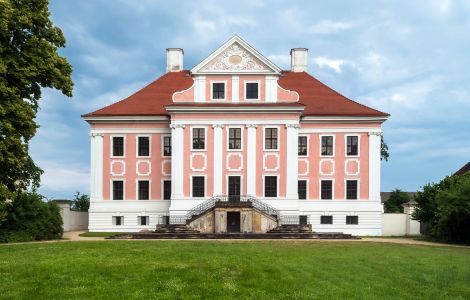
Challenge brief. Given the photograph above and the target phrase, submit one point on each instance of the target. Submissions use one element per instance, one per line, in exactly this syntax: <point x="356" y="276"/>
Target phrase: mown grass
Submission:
<point x="227" y="270"/>
<point x="98" y="234"/>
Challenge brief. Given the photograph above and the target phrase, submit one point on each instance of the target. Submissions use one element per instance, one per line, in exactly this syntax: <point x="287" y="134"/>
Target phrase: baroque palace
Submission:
<point x="236" y="145"/>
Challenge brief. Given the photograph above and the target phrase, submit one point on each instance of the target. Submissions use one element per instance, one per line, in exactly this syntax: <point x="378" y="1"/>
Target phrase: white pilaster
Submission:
<point x="200" y="89"/>
<point x="251" y="160"/>
<point x="271" y="89"/>
<point x="374" y="165"/>
<point x="235" y="88"/>
<point x="218" y="147"/>
<point x="177" y="137"/>
<point x="292" y="141"/>
<point x="96" y="169"/>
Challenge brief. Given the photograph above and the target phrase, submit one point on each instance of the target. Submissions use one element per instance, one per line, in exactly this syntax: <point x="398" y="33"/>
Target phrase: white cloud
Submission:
<point x="335" y="64"/>
<point x="64" y="179"/>
<point x="329" y="26"/>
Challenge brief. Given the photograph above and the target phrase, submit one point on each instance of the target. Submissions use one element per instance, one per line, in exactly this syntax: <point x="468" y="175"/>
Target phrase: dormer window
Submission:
<point x="252" y="91"/>
<point x="218" y="91"/>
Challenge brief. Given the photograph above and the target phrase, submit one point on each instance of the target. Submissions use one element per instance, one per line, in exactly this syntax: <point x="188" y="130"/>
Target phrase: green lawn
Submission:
<point x="210" y="270"/>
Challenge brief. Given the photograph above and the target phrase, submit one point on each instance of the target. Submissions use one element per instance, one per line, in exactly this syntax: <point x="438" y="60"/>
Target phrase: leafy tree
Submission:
<point x="29" y="61"/>
<point x="81" y="202"/>
<point x="397" y="198"/>
<point x="383" y="149"/>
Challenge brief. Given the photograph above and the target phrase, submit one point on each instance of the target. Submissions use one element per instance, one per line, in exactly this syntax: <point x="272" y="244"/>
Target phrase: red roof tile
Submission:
<point x="319" y="99"/>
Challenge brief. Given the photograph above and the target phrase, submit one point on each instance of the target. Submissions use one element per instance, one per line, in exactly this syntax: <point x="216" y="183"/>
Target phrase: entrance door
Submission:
<point x="233" y="221"/>
<point x="234" y="188"/>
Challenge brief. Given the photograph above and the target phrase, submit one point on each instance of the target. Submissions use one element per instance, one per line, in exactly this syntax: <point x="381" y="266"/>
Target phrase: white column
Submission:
<point x="218" y="165"/>
<point x="271" y="89"/>
<point x="96" y="169"/>
<point x="292" y="154"/>
<point x="235" y="88"/>
<point x="374" y="165"/>
<point x="251" y="160"/>
<point x="200" y="89"/>
<point x="177" y="136"/>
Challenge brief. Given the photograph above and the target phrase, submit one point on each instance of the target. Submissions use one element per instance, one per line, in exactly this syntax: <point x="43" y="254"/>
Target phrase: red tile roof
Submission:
<point x="319" y="99"/>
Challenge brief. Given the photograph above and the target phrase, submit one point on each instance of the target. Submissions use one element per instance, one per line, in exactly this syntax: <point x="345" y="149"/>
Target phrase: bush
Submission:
<point x="30" y="218"/>
<point x="80" y="202"/>
<point x="397" y="198"/>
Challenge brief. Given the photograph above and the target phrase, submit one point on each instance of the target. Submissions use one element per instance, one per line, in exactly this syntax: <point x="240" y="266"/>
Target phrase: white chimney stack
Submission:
<point x="174" y="59"/>
<point x="299" y="59"/>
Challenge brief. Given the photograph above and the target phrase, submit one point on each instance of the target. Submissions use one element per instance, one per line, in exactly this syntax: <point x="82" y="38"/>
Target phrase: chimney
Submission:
<point x="299" y="58"/>
<point x="174" y="59"/>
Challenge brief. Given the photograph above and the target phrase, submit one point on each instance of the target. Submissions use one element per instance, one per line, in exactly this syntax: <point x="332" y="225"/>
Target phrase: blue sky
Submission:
<point x="408" y="58"/>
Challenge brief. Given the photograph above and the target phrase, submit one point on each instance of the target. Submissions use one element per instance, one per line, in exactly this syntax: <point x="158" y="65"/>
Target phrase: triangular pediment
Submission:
<point x="236" y="57"/>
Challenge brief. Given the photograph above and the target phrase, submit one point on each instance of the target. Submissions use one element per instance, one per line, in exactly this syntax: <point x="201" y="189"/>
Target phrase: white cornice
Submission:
<point x="238" y="108"/>
<point x="126" y="119"/>
<point x="343" y="119"/>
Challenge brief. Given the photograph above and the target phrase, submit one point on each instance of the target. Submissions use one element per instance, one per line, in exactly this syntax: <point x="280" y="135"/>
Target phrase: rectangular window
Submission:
<point x="270" y="138"/>
<point x="143" y="220"/>
<point x="303" y="220"/>
<point x="199" y="139"/>
<point x="198" y="186"/>
<point x="302" y="145"/>
<point x="327" y="145"/>
<point x="143" y="146"/>
<point x="118" y="146"/>
<point x="326" y="220"/>
<point x="352" y="145"/>
<point x="166" y="190"/>
<point x="118" y="220"/>
<point x="218" y="90"/>
<point x="118" y="190"/>
<point x="251" y="92"/>
<point x="234" y="138"/>
<point x="327" y="189"/>
<point x="144" y="189"/>
<point x="302" y="188"/>
<point x="270" y="186"/>
<point x="352" y="220"/>
<point x="167" y="146"/>
<point x="351" y="189"/>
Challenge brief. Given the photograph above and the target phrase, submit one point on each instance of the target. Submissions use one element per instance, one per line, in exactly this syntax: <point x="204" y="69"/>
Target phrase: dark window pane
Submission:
<point x="270" y="186"/>
<point x="144" y="189"/>
<point x="167" y="146"/>
<point x="326" y="145"/>
<point x="218" y="90"/>
<point x="118" y="220"/>
<point x="166" y="190"/>
<point x="118" y="146"/>
<point x="143" y="220"/>
<point x="302" y="188"/>
<point x="302" y="145"/>
<point x="270" y="138"/>
<point x="198" y="138"/>
<point x="118" y="190"/>
<point x="352" y="220"/>
<point x="326" y="189"/>
<point x="198" y="186"/>
<point x="252" y="90"/>
<point x="234" y="138"/>
<point x="144" y="146"/>
<point x="351" y="189"/>
<point x="303" y="220"/>
<point x="352" y="145"/>
<point x="326" y="219"/>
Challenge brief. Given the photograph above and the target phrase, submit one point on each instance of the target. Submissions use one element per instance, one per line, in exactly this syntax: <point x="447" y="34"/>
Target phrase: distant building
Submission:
<point x="463" y="170"/>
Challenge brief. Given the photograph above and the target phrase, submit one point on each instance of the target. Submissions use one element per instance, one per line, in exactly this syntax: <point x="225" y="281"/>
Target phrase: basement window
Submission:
<point x="143" y="220"/>
<point x="352" y="220"/>
<point x="118" y="220"/>
<point x="326" y="219"/>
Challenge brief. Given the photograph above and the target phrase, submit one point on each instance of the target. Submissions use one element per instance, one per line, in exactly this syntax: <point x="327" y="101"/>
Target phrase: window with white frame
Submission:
<point x="218" y="90"/>
<point x="270" y="138"/>
<point x="326" y="189"/>
<point x="198" y="186"/>
<point x="143" y="146"/>
<point x="326" y="219"/>
<point x="327" y="145"/>
<point x="118" y="220"/>
<point x="143" y="220"/>
<point x="302" y="189"/>
<point x="351" y="189"/>
<point x="252" y="91"/>
<point x="199" y="138"/>
<point x="234" y="138"/>
<point x="118" y="146"/>
<point x="167" y="146"/>
<point x="302" y="145"/>
<point x="352" y="220"/>
<point x="270" y="186"/>
<point x="118" y="190"/>
<point x="352" y="145"/>
<point x="143" y="187"/>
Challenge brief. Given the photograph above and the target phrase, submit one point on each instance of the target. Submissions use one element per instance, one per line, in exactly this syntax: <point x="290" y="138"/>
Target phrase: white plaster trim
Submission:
<point x="358" y="189"/>
<point x="212" y="90"/>
<point x="235" y="88"/>
<point x="346" y="161"/>
<point x="308" y="144"/>
<point x="277" y="164"/>
<point x="199" y="88"/>
<point x="251" y="149"/>
<point x="122" y="131"/>
<point x="191" y="185"/>
<point x="307" y="164"/>
<point x="162" y="139"/>
<point x="277" y="188"/>
<point x="192" y="160"/>
<point x="320" y="144"/>
<point x="235" y="175"/>
<point x="244" y="90"/>
<point x="270" y="92"/>
<point x="191" y="138"/>
<point x="332" y="189"/>
<point x="123" y="167"/>
<point x="228" y="138"/>
<point x="319" y="119"/>
<point x="111" y="143"/>
<point x="137" y="189"/>
<point x="238" y="108"/>
<point x="278" y="138"/>
<point x="358" y="145"/>
<point x="337" y="130"/>
<point x="149" y="164"/>
<point x="181" y="92"/>
<point x="321" y="163"/>
<point x="166" y="161"/>
<point x="111" y="194"/>
<point x="137" y="145"/>
<point x="146" y="119"/>
<point x="271" y="123"/>
<point x="227" y="162"/>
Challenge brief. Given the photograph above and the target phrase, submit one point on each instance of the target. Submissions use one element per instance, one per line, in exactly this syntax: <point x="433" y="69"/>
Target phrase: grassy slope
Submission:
<point x="258" y="270"/>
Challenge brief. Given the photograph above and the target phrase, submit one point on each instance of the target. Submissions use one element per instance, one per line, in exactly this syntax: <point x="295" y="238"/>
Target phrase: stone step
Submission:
<point x="169" y="235"/>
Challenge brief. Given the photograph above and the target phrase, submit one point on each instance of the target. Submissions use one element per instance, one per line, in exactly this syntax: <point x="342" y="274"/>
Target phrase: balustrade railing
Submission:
<point x="294" y="220"/>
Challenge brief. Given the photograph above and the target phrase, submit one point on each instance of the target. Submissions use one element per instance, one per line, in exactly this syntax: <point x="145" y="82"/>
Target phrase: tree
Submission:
<point x="383" y="149"/>
<point x="397" y="198"/>
<point x="29" y="61"/>
<point x="81" y="202"/>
